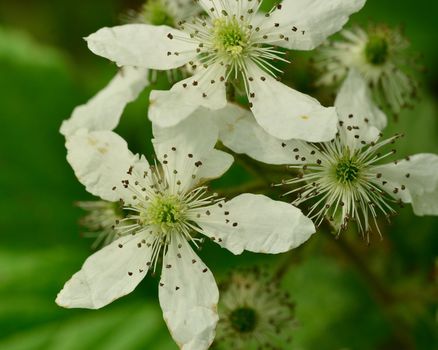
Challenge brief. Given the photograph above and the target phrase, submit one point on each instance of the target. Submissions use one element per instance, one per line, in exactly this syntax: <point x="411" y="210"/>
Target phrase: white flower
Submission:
<point x="343" y="179"/>
<point x="254" y="312"/>
<point x="104" y="110"/>
<point x="234" y="41"/>
<point x="170" y="212"/>
<point x="380" y="55"/>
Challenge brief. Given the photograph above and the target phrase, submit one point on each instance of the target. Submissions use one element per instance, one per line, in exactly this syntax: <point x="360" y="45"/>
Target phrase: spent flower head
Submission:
<point x="254" y="312"/>
<point x="170" y="211"/>
<point x="233" y="41"/>
<point x="381" y="56"/>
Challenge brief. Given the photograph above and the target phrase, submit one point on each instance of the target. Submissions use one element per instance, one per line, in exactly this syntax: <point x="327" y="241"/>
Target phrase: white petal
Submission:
<point x="212" y="7"/>
<point x="100" y="161"/>
<point x="143" y="45"/>
<point x="188" y="148"/>
<point x="256" y="223"/>
<point x="357" y="112"/>
<point x="419" y="175"/>
<point x="215" y="164"/>
<point x="288" y="114"/>
<point x="107" y="275"/>
<point x="426" y="203"/>
<point x="205" y="89"/>
<point x="305" y="24"/>
<point x="239" y="131"/>
<point x="104" y="110"/>
<point x="188" y="296"/>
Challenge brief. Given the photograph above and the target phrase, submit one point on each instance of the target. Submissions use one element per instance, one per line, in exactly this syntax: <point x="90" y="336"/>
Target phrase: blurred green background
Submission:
<point x="348" y="295"/>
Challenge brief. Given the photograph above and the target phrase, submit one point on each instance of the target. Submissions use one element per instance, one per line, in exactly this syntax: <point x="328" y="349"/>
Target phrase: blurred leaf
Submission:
<point x="329" y="303"/>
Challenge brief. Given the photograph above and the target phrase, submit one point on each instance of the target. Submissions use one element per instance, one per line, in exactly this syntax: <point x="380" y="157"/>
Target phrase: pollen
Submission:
<point x="165" y="211"/>
<point x="230" y="37"/>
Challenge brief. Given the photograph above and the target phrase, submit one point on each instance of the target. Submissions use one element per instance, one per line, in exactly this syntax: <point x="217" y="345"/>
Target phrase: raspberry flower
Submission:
<point x="380" y="56"/>
<point x="233" y="41"/>
<point x="170" y="211"/>
<point x="344" y="180"/>
<point x="104" y="110"/>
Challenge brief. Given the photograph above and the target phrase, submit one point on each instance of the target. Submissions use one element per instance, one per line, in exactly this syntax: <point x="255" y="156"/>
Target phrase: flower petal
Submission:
<point x="188" y="296"/>
<point x="239" y="131"/>
<point x="107" y="275"/>
<point x="426" y="203"/>
<point x="305" y="24"/>
<point x="256" y="223"/>
<point x="100" y="161"/>
<point x="104" y="110"/>
<point x="206" y="88"/>
<point x="361" y="119"/>
<point x="187" y="150"/>
<point x="212" y="7"/>
<point x="413" y="180"/>
<point x="215" y="164"/>
<point x="143" y="45"/>
<point x="286" y="113"/>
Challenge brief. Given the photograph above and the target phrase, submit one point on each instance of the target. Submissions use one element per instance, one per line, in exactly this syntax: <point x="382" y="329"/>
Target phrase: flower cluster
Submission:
<point x="154" y="211"/>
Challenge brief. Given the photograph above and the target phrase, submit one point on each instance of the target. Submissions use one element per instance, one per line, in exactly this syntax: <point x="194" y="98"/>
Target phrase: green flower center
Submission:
<point x="243" y="320"/>
<point x="347" y="170"/>
<point x="165" y="211"/>
<point x="155" y="13"/>
<point x="377" y="50"/>
<point x="230" y="37"/>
